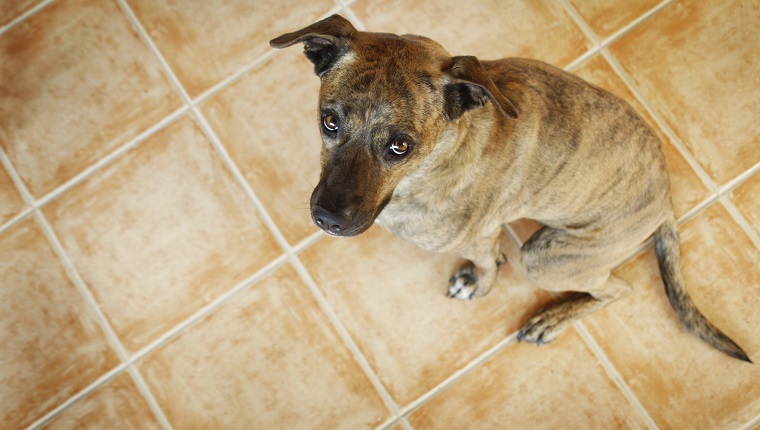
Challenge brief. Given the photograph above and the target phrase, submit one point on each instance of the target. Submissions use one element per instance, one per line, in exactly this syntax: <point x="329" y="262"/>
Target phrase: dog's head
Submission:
<point x="384" y="102"/>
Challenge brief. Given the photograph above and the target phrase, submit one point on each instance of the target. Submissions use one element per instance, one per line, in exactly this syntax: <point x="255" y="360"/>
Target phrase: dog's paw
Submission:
<point x="463" y="284"/>
<point x="543" y="328"/>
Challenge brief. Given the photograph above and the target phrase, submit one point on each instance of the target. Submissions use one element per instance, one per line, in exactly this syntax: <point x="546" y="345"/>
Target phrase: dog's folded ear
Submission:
<point x="323" y="42"/>
<point x="472" y="88"/>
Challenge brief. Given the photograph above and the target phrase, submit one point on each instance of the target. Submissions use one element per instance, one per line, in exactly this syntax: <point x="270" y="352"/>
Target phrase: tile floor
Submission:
<point x="158" y="267"/>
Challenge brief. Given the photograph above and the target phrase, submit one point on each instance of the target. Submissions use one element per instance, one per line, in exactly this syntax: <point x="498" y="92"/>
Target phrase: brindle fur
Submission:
<point x="493" y="142"/>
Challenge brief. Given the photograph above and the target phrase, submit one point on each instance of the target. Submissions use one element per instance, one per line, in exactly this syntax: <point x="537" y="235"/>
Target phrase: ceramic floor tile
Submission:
<point x="11" y="9"/>
<point x="390" y="295"/>
<point x="77" y="83"/>
<point x="11" y="203"/>
<point x="560" y="385"/>
<point x="686" y="188"/>
<point x="53" y="346"/>
<point x="161" y="232"/>
<point x="204" y="42"/>
<point x="747" y="199"/>
<point x="605" y="17"/>
<point x="118" y="404"/>
<point x="488" y="29"/>
<point x="695" y="62"/>
<point x="680" y="380"/>
<point x="268" y="122"/>
<point x="267" y="359"/>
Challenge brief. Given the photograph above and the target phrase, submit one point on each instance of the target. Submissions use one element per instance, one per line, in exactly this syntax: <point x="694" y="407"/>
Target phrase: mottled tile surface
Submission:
<point x="53" y="346"/>
<point x="680" y="380"/>
<point x="118" y="404"/>
<point x="391" y="297"/>
<point x="540" y="29"/>
<point x="696" y="63"/>
<point x="161" y="232"/>
<point x="269" y="359"/>
<point x="205" y="42"/>
<point x="560" y="385"/>
<point x="268" y="122"/>
<point x="77" y="82"/>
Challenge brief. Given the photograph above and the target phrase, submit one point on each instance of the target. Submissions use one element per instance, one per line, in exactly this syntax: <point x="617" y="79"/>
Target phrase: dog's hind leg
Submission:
<point x="556" y="260"/>
<point x="476" y="277"/>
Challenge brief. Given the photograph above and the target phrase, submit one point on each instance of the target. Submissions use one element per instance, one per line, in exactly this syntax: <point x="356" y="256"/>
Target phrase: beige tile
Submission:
<point x="268" y="123"/>
<point x="77" y="83"/>
<point x="488" y="29"/>
<point x="680" y="380"/>
<point x="686" y="188"/>
<point x="268" y="359"/>
<point x="606" y="17"/>
<point x="695" y="62"/>
<point x="11" y="203"/>
<point x="161" y="232"/>
<point x="53" y="346"/>
<point x="204" y="42"/>
<point x="747" y="199"/>
<point x="12" y="9"/>
<point x="118" y="404"/>
<point x="560" y="385"/>
<point x="390" y="295"/>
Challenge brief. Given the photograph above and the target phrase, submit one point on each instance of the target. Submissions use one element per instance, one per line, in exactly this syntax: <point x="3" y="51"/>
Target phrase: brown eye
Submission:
<point x="330" y="123"/>
<point x="399" y="147"/>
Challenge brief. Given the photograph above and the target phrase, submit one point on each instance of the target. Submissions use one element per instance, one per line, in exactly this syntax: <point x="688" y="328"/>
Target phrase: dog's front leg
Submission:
<point x="476" y="276"/>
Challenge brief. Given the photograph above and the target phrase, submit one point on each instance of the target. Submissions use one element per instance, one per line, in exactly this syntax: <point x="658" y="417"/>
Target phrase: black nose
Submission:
<point x="328" y="221"/>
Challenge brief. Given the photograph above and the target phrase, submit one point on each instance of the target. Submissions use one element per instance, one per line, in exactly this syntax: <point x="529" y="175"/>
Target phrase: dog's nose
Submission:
<point x="328" y="221"/>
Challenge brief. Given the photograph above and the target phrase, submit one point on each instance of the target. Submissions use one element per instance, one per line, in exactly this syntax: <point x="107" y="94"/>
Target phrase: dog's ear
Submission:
<point x="323" y="42"/>
<point x="471" y="88"/>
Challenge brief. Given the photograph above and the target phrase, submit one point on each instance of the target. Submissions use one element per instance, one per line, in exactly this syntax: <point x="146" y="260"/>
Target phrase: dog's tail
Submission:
<point x="669" y="259"/>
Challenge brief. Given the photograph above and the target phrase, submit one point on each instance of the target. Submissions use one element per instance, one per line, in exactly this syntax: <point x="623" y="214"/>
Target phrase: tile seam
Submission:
<point x="752" y="424"/>
<point x="345" y="336"/>
<point x="76" y="397"/>
<point x="617" y="35"/>
<point x="142" y="386"/>
<point x="24" y="16"/>
<point x="614" y="374"/>
<point x="458" y="375"/>
<point x="740" y="220"/>
<point x="235" y="76"/>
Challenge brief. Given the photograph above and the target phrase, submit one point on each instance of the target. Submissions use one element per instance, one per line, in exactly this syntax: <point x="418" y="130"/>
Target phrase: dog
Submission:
<point x="443" y="151"/>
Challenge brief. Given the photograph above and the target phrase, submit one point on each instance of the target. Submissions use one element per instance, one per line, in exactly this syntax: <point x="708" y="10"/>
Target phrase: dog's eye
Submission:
<point x="330" y="123"/>
<point x="399" y="147"/>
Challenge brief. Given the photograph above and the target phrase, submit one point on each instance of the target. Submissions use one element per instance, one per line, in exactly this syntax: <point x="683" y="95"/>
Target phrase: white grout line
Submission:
<point x="15" y="220"/>
<point x="459" y="374"/>
<point x="739" y="219"/>
<point x="142" y="386"/>
<point x="753" y="424"/>
<point x="109" y="158"/>
<point x="353" y="17"/>
<point x="346" y="337"/>
<point x="614" y="374"/>
<point x="86" y="391"/>
<point x="209" y="308"/>
<point x="635" y="23"/>
<point x="578" y="62"/>
<point x="24" y="16"/>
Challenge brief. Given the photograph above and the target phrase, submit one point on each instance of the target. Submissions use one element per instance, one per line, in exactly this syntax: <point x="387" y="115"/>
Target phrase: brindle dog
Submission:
<point x="444" y="150"/>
